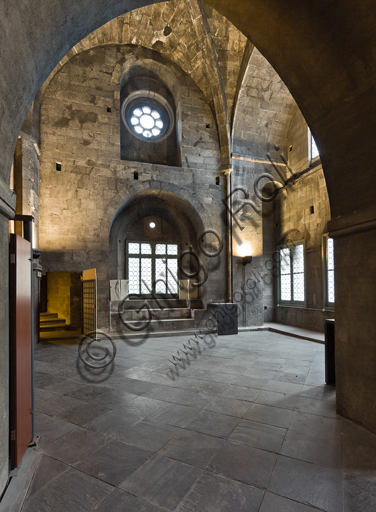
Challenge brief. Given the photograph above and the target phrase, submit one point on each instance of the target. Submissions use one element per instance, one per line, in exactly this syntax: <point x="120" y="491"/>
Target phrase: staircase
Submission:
<point x="52" y="327"/>
<point x="164" y="315"/>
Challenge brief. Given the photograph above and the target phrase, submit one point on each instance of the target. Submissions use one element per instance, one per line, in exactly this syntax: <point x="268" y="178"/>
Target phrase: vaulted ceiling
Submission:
<point x="248" y="98"/>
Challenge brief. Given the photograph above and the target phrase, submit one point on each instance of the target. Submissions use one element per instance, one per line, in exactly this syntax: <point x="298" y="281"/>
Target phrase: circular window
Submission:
<point x="147" y="116"/>
<point x="152" y="225"/>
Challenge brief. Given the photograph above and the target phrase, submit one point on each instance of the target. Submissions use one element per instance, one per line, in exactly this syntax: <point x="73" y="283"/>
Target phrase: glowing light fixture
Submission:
<point x="152" y="225"/>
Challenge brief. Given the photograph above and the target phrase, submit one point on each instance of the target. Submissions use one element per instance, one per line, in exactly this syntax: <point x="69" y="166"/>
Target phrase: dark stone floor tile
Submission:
<point x="86" y="392"/>
<point x="274" y="503"/>
<point x="75" y="446"/>
<point x="119" y="501"/>
<point x="162" y="481"/>
<point x="308" y="484"/>
<point x="284" y="401"/>
<point x="50" y="428"/>
<point x="114" y="462"/>
<point x="114" y="423"/>
<point x="258" y="435"/>
<point x="132" y="386"/>
<point x="58" y="405"/>
<point x="175" y="414"/>
<point x="214" y="493"/>
<point x="150" y="435"/>
<point x="192" y="448"/>
<point x="270" y="415"/>
<point x="142" y="406"/>
<point x="212" y="423"/>
<point x="114" y="399"/>
<point x="359" y="494"/>
<point x="178" y="396"/>
<point x="317" y="450"/>
<point x="316" y="425"/>
<point x="71" y="491"/>
<point x="228" y="406"/>
<point x="243" y="463"/>
<point x="84" y="413"/>
<point x="43" y="380"/>
<point x="48" y="469"/>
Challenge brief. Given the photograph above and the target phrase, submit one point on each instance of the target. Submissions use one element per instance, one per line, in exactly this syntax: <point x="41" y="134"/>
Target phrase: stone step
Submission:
<point x="55" y="326"/>
<point x="45" y="316"/>
<point x="157" y="314"/>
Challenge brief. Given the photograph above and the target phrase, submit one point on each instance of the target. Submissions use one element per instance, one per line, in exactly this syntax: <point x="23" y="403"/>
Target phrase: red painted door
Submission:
<point x="20" y="347"/>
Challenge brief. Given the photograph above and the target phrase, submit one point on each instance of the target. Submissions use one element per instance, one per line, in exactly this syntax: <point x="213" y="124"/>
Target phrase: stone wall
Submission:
<point x="302" y="212"/>
<point x="78" y="203"/>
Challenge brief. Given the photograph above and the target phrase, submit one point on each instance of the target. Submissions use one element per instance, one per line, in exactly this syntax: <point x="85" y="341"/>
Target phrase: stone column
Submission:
<point x="7" y="209"/>
<point x="355" y="326"/>
<point x="226" y="171"/>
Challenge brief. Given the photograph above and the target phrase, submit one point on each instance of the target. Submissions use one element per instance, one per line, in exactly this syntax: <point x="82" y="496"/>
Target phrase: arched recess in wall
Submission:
<point x="175" y="222"/>
<point x="148" y="121"/>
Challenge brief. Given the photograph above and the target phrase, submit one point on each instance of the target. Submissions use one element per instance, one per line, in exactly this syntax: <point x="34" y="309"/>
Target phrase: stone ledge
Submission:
<point x="354" y="223"/>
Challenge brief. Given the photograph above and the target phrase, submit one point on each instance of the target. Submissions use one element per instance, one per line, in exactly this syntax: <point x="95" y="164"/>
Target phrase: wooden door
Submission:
<point x="89" y="301"/>
<point x="20" y="348"/>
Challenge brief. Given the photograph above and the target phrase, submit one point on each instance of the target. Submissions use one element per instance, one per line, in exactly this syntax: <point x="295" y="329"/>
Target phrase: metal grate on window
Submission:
<point x="134" y="248"/>
<point x="160" y="249"/>
<point x="146" y="249"/>
<point x="134" y="275"/>
<point x="160" y="275"/>
<point x="172" y="250"/>
<point x="298" y="273"/>
<point x="285" y="274"/>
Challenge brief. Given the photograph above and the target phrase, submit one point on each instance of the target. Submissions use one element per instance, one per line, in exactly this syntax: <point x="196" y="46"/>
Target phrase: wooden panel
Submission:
<point x="21" y="392"/>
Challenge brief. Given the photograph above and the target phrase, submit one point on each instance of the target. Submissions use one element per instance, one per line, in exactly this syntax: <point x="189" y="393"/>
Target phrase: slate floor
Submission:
<point x="248" y="426"/>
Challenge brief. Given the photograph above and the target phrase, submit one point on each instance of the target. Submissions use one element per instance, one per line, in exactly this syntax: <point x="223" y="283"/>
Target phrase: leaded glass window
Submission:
<point x="292" y="274"/>
<point x="153" y="268"/>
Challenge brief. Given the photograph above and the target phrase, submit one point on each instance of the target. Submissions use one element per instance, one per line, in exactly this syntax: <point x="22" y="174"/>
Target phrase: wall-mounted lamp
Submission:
<point x="247" y="259"/>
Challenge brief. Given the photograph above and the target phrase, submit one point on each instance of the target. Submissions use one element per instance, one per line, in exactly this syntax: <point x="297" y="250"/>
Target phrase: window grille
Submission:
<point x="292" y="274"/>
<point x="153" y="268"/>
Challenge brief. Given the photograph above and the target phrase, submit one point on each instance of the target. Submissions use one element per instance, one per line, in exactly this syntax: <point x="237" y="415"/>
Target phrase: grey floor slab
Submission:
<point x="192" y="448"/>
<point x="258" y="435"/>
<point x="114" y="423"/>
<point x="150" y="435"/>
<point x="70" y="491"/>
<point x="275" y="503"/>
<point x="262" y="393"/>
<point x="360" y="495"/>
<point x="161" y="481"/>
<point x="282" y="400"/>
<point x="228" y="406"/>
<point x="314" y="449"/>
<point x="214" y="493"/>
<point x="329" y="428"/>
<point x="244" y="464"/>
<point x="269" y="415"/>
<point x="308" y="484"/>
<point x="175" y="414"/>
<point x="74" y="446"/>
<point x="50" y="428"/>
<point x="119" y="501"/>
<point x="213" y="423"/>
<point x="114" y="462"/>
